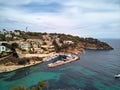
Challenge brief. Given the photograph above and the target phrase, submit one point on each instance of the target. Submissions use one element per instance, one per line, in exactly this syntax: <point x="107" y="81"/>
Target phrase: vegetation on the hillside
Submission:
<point x="37" y="87"/>
<point x="87" y="42"/>
<point x="12" y="47"/>
<point x="57" y="47"/>
<point x="10" y="60"/>
<point x="42" y="43"/>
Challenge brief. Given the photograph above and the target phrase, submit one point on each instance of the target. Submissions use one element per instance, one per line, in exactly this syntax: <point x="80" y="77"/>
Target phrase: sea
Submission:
<point x="94" y="71"/>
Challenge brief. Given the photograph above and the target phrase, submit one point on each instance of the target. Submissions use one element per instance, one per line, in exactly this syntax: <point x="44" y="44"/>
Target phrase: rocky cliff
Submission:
<point x="95" y="44"/>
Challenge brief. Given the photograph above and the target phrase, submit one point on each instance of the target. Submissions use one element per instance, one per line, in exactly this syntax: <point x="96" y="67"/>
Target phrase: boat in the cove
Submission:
<point x="117" y="76"/>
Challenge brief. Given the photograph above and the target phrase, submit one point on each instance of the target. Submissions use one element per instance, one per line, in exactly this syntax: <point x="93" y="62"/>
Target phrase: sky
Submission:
<point x="84" y="18"/>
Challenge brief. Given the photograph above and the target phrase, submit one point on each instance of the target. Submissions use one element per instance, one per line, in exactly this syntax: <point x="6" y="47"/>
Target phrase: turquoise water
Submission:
<point x="94" y="71"/>
<point x="29" y="80"/>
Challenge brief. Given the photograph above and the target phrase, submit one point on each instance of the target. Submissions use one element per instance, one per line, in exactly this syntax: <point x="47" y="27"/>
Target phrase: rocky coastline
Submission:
<point x="10" y="68"/>
<point x="6" y="69"/>
<point x="32" y="45"/>
<point x="77" y="50"/>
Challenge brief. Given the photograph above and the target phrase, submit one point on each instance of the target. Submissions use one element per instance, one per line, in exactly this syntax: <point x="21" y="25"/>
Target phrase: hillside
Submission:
<point x="61" y="42"/>
<point x="22" y="49"/>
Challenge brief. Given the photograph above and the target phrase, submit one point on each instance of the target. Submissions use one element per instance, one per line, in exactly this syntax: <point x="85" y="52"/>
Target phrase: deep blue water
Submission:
<point x="94" y="71"/>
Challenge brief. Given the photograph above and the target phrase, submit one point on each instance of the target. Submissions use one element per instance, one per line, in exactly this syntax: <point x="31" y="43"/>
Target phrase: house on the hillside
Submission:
<point x="16" y="38"/>
<point x="39" y="41"/>
<point x="2" y="42"/>
<point x="68" y="42"/>
<point x="25" y="46"/>
<point x="2" y="49"/>
<point x="48" y="48"/>
<point x="17" y="33"/>
<point x="38" y="50"/>
<point x="48" y="42"/>
<point x="35" y="45"/>
<point x="8" y="36"/>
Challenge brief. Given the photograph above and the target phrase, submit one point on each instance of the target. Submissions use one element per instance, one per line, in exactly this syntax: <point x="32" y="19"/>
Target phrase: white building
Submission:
<point x="24" y="46"/>
<point x="8" y="36"/>
<point x="68" y="42"/>
<point x="17" y="33"/>
<point x="2" y="42"/>
<point x="2" y="49"/>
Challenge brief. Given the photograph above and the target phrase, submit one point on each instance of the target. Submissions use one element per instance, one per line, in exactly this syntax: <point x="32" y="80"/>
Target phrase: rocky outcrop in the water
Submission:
<point x="95" y="44"/>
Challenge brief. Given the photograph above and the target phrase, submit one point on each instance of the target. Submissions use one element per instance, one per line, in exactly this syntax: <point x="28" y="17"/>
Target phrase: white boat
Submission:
<point x="50" y="64"/>
<point x="117" y="76"/>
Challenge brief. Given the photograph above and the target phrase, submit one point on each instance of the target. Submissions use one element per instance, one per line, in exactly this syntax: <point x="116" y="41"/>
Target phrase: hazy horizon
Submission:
<point x="84" y="18"/>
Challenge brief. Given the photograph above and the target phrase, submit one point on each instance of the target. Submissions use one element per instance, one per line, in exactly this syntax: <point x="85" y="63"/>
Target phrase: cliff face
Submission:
<point x="100" y="46"/>
<point x="95" y="44"/>
<point x="81" y="47"/>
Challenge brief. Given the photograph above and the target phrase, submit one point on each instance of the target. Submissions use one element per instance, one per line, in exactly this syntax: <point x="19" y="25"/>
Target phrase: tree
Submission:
<point x="2" y="37"/>
<point x="14" y="45"/>
<point x="42" y="84"/>
<point x="33" y="88"/>
<point x="64" y="47"/>
<point x="38" y="87"/>
<point x="23" y="61"/>
<point x="57" y="48"/>
<point x="21" y="87"/>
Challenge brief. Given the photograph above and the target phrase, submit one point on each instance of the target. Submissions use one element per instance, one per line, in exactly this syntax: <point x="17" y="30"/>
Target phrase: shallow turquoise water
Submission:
<point x="29" y="80"/>
<point x="94" y="71"/>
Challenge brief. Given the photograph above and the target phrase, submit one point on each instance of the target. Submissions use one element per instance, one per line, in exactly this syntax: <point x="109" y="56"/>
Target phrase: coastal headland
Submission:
<point x="22" y="49"/>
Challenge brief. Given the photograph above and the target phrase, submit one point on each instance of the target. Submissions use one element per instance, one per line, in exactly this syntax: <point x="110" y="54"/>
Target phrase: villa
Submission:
<point x="17" y="33"/>
<point x="3" y="42"/>
<point x="2" y="49"/>
<point x="38" y="50"/>
<point x="24" y="46"/>
<point x="68" y="42"/>
<point x="8" y="36"/>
